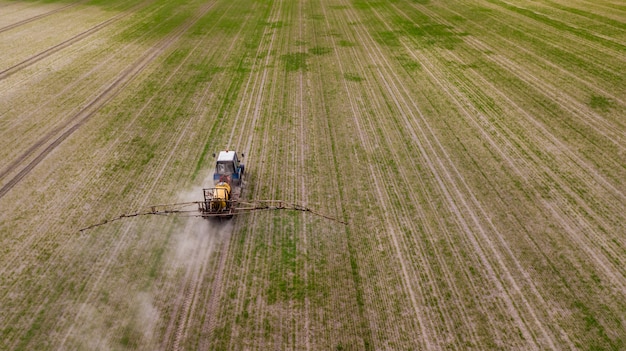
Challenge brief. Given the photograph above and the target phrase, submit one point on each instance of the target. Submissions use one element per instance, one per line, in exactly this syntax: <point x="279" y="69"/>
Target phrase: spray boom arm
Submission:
<point x="184" y="209"/>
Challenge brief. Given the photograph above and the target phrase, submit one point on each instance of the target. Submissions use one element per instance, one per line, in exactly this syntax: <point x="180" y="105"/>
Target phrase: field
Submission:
<point x="475" y="148"/>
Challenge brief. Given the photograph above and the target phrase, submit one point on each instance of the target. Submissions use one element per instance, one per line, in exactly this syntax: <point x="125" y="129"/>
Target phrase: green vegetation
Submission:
<point x="319" y="50"/>
<point x="480" y="173"/>
<point x="353" y="77"/>
<point x="296" y="61"/>
<point x="600" y="103"/>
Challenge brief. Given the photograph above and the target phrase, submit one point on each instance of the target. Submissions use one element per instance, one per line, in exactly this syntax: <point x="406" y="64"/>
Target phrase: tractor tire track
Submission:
<point x="259" y="94"/>
<point x="193" y="283"/>
<point x="399" y="218"/>
<point x="155" y="52"/>
<point x="598" y="43"/>
<point x="58" y="47"/>
<point x="95" y="173"/>
<point x="459" y="187"/>
<point x="598" y="20"/>
<point x="604" y="127"/>
<point x="424" y="336"/>
<point x="552" y="176"/>
<point x="89" y="110"/>
<point x="173" y="151"/>
<point x="494" y="252"/>
<point x="568" y="38"/>
<point x="191" y="297"/>
<point x="421" y="59"/>
<point x="216" y="291"/>
<point x="607" y="129"/>
<point x="301" y="111"/>
<point x="256" y="95"/>
<point x="224" y="268"/>
<point x="55" y="99"/>
<point x="391" y="215"/>
<point x="34" y="18"/>
<point x="350" y="307"/>
<point x="611" y="8"/>
<point x="13" y="165"/>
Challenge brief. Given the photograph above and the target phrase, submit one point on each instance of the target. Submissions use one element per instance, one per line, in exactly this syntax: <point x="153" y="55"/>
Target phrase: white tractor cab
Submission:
<point x="228" y="168"/>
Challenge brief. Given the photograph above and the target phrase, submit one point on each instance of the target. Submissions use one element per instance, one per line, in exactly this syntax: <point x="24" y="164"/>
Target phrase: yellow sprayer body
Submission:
<point x="221" y="194"/>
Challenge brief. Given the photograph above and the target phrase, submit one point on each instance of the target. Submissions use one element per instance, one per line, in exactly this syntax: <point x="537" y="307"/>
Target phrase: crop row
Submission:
<point x="479" y="172"/>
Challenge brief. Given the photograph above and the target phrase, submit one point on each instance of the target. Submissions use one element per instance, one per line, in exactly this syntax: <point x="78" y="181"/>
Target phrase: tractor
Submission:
<point x="221" y="200"/>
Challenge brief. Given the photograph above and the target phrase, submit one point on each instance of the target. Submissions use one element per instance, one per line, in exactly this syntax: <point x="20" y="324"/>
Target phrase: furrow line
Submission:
<point x="575" y="33"/>
<point x="512" y="136"/>
<point x="286" y="309"/>
<point x="553" y="177"/>
<point x="148" y="58"/>
<point x="266" y="177"/>
<point x="273" y="177"/>
<point x="393" y="187"/>
<point x="494" y="252"/>
<point x="620" y="197"/>
<point x="402" y="216"/>
<point x="91" y="108"/>
<point x="391" y="91"/>
<point x="354" y="325"/>
<point x="34" y="18"/>
<point x="367" y="324"/>
<point x="93" y="173"/>
<point x="208" y="320"/>
<point x="486" y="240"/>
<point x="424" y="336"/>
<point x="410" y="224"/>
<point x="394" y="93"/>
<point x="565" y="101"/>
<point x="255" y="87"/>
<point x="58" y="47"/>
<point x="549" y="207"/>
<point x="300" y="162"/>
<point x="483" y="256"/>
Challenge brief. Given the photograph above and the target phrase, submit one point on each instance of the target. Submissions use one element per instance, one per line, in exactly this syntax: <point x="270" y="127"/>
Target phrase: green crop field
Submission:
<point x="476" y="150"/>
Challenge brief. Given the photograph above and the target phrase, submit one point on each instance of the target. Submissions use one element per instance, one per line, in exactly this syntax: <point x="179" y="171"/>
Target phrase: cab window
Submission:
<point x="225" y="168"/>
